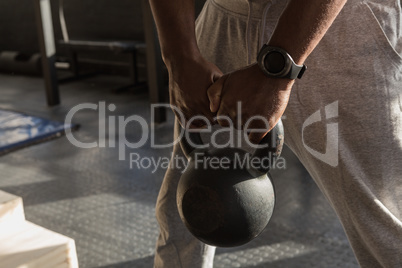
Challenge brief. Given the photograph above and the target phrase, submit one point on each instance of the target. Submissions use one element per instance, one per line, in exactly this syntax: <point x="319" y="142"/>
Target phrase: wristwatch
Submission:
<point x="276" y="62"/>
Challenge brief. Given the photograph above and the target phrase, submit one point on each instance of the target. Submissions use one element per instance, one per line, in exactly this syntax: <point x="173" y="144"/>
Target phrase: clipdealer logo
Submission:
<point x="331" y="155"/>
<point x="112" y="133"/>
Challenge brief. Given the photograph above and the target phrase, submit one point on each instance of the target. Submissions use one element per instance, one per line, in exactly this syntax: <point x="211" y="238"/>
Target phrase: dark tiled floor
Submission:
<point x="108" y="206"/>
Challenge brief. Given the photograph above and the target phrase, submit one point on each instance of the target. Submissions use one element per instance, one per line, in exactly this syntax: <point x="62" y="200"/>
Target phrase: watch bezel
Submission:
<point x="291" y="70"/>
<point x="287" y="62"/>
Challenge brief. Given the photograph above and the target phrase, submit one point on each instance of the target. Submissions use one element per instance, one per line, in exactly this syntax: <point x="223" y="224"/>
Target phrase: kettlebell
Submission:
<point x="225" y="196"/>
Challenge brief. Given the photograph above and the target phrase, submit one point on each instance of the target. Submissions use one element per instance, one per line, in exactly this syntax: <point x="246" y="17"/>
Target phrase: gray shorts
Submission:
<point x="343" y="122"/>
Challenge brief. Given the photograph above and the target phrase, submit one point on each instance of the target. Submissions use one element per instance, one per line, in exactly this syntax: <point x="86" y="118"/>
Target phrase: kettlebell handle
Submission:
<point x="185" y="144"/>
<point x="274" y="139"/>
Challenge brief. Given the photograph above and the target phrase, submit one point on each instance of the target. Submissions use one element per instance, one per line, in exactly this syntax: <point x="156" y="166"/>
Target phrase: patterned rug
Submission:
<point x="19" y="130"/>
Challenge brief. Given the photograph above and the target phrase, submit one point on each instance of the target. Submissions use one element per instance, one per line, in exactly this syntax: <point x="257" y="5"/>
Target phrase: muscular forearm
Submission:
<point x="175" y="21"/>
<point x="190" y="74"/>
<point x="303" y="24"/>
<point x="299" y="29"/>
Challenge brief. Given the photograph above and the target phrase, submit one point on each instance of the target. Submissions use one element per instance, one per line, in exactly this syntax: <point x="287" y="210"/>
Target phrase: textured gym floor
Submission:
<point x="108" y="207"/>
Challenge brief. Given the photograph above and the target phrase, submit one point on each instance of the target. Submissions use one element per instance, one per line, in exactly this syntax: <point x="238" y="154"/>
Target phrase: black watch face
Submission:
<point x="274" y="62"/>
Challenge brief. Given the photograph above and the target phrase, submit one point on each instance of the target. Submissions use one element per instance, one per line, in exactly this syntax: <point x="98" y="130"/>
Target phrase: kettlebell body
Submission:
<point x="222" y="198"/>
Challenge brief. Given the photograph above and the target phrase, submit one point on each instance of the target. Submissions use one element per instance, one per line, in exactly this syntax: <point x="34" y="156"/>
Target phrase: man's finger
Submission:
<point x="257" y="129"/>
<point x="214" y="94"/>
<point x="256" y="137"/>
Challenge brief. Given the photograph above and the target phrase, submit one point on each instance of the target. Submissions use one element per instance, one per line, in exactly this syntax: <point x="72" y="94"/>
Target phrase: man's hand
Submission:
<point x="298" y="31"/>
<point x="259" y="96"/>
<point x="190" y="74"/>
<point x="189" y="79"/>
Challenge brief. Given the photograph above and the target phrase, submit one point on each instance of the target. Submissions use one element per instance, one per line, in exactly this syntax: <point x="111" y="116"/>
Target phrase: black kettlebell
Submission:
<point x="227" y="203"/>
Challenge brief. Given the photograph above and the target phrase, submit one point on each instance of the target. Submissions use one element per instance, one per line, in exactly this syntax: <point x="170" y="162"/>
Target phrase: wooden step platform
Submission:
<point x="11" y="210"/>
<point x="27" y="245"/>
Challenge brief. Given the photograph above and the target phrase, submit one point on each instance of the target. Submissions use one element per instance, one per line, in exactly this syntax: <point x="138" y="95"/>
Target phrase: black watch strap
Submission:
<point x="296" y="71"/>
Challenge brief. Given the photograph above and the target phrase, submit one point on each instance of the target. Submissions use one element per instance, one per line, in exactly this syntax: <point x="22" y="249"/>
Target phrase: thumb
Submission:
<point x="256" y="137"/>
<point x="214" y="93"/>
